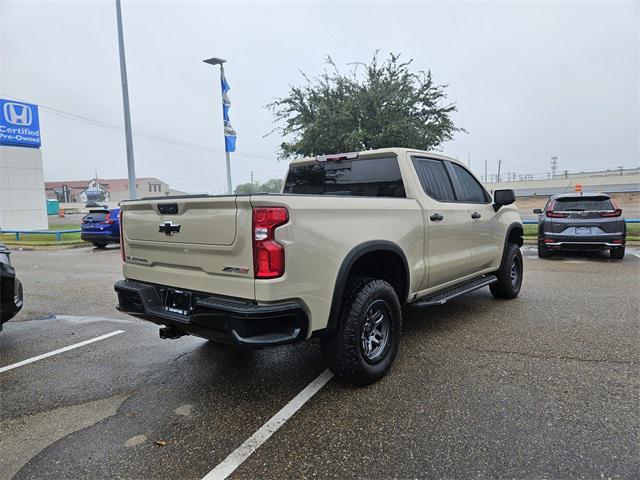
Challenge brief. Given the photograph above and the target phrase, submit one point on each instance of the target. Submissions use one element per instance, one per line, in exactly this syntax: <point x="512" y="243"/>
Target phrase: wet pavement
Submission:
<point x="545" y="385"/>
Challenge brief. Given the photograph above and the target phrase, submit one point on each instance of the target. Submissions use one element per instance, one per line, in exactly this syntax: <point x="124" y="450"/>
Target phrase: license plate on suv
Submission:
<point x="177" y="301"/>
<point x="583" y="230"/>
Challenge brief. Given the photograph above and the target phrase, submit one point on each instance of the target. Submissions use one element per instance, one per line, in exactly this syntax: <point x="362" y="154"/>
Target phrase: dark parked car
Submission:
<point x="581" y="222"/>
<point x="101" y="227"/>
<point x="11" y="297"/>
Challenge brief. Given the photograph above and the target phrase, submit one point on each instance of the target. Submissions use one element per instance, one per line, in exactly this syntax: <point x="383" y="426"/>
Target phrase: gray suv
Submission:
<point x="577" y="221"/>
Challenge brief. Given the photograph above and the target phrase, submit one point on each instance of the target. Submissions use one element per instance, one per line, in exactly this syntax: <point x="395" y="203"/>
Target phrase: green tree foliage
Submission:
<point x="270" y="186"/>
<point x="382" y="104"/>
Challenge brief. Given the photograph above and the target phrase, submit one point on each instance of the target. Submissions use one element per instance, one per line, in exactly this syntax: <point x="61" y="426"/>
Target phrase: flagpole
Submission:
<point x="229" y="132"/>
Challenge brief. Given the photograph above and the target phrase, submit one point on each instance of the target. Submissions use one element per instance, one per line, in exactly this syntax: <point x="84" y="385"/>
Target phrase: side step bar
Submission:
<point x="444" y="296"/>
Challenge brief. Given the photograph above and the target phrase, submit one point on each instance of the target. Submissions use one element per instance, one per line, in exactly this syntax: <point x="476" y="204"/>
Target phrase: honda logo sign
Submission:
<point x="18" y="113"/>
<point x="19" y="124"/>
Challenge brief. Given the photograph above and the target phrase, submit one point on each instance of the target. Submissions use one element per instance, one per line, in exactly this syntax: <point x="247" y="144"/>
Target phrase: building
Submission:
<point x="106" y="190"/>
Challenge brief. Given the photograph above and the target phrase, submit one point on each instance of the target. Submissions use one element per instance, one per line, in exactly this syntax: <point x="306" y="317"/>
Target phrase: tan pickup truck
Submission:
<point x="351" y="239"/>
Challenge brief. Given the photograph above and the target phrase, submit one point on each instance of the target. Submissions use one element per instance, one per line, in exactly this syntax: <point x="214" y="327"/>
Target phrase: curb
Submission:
<point x="53" y="246"/>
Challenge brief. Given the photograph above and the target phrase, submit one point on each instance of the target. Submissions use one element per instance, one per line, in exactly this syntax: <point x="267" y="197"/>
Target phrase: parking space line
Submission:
<point x="637" y="255"/>
<point x="60" y="350"/>
<point x="244" y="451"/>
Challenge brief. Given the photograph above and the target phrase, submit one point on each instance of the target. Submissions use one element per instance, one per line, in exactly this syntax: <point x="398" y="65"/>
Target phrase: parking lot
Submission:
<point x="543" y="386"/>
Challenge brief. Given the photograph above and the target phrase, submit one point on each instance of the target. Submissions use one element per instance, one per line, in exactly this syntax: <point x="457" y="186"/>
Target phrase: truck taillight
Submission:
<point x="268" y="254"/>
<point x="121" y="219"/>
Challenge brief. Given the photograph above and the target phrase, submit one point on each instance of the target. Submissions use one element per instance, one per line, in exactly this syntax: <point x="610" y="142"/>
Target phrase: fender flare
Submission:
<point x="345" y="268"/>
<point x="511" y="228"/>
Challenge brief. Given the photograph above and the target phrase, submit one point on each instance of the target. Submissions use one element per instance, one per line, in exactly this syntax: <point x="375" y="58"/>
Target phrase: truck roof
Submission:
<point x="383" y="151"/>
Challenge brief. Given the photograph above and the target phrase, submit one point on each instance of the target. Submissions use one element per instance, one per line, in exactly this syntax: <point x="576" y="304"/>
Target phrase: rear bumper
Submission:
<point x="584" y="242"/>
<point x="13" y="302"/>
<point x="223" y="319"/>
<point x="99" y="238"/>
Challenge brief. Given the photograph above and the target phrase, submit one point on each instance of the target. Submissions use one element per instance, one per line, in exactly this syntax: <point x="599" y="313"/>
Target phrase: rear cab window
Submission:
<point x="366" y="177"/>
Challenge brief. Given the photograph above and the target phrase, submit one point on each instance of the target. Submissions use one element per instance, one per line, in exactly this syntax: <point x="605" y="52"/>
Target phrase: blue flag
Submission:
<point x="229" y="132"/>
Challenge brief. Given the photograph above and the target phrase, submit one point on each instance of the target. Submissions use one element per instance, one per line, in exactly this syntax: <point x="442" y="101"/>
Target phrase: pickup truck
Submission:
<point x="350" y="241"/>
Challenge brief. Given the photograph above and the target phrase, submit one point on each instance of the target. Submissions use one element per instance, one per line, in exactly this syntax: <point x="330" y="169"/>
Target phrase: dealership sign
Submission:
<point x="19" y="124"/>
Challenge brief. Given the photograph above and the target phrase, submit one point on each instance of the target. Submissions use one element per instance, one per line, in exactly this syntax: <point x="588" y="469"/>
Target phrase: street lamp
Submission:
<point x="131" y="167"/>
<point x="220" y="61"/>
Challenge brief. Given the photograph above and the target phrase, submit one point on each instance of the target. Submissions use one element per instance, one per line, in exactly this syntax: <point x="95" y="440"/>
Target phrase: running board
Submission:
<point x="444" y="296"/>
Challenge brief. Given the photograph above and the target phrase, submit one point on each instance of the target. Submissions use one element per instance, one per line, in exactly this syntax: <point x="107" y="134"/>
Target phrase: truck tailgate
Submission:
<point x="195" y="243"/>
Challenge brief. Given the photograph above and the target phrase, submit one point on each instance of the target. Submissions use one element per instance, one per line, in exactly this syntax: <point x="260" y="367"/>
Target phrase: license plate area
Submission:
<point x="583" y="230"/>
<point x="177" y="301"/>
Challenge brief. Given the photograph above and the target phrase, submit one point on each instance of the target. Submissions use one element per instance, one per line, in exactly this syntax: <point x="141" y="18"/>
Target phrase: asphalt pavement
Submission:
<point x="543" y="386"/>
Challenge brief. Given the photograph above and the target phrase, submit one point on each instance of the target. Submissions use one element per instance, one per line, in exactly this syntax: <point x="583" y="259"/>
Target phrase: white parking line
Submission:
<point x="244" y="451"/>
<point x="637" y="255"/>
<point x="60" y="350"/>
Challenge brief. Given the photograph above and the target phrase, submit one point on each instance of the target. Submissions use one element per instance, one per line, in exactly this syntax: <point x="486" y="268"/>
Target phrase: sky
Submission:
<point x="531" y="80"/>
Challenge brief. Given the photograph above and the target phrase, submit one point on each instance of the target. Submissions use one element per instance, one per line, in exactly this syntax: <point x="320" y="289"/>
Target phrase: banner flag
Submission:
<point x="229" y="132"/>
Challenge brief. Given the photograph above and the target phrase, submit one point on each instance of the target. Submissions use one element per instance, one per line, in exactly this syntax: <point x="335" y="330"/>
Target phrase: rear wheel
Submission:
<point x="99" y="245"/>
<point x="363" y="346"/>
<point x="509" y="274"/>
<point x="543" y="250"/>
<point x="617" y="253"/>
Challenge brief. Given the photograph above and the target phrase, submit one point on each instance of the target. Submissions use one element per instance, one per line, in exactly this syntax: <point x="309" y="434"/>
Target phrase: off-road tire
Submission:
<point x="342" y="348"/>
<point x="543" y="250"/>
<point x="99" y="245"/>
<point x="506" y="287"/>
<point x="617" y="253"/>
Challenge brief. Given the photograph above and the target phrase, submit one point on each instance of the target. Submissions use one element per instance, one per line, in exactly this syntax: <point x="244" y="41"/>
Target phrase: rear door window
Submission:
<point x="583" y="204"/>
<point x="434" y="179"/>
<point x="373" y="177"/>
<point x="470" y="190"/>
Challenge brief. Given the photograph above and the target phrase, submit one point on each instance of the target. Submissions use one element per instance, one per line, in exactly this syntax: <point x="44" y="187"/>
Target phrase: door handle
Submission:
<point x="436" y="217"/>
<point x="475" y="215"/>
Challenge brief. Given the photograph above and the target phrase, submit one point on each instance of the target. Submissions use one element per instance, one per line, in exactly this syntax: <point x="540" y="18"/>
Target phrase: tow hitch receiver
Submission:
<point x="171" y="333"/>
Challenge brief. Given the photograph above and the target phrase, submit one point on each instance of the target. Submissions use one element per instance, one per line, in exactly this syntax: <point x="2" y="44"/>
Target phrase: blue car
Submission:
<point x="101" y="227"/>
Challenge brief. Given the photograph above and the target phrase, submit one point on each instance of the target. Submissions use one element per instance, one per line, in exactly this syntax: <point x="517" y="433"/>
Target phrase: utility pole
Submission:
<point x="554" y="166"/>
<point x="486" y="179"/>
<point x="131" y="167"/>
<point x="499" y="165"/>
<point x="469" y="161"/>
<point x="251" y="181"/>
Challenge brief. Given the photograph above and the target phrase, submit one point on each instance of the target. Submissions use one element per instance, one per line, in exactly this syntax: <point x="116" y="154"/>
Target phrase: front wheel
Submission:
<point x="363" y="346"/>
<point x="617" y="253"/>
<point x="509" y="274"/>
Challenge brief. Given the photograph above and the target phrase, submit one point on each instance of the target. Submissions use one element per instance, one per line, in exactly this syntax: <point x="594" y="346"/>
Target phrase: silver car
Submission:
<point x="577" y="221"/>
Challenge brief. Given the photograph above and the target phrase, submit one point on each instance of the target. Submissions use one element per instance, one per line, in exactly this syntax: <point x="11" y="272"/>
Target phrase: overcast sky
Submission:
<point x="531" y="80"/>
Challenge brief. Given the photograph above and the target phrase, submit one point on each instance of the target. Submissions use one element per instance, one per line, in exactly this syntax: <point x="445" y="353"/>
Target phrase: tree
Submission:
<point x="270" y="186"/>
<point x="382" y="104"/>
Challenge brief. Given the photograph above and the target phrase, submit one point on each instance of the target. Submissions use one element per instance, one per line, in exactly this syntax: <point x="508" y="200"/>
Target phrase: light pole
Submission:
<point x="131" y="167"/>
<point x="220" y="61"/>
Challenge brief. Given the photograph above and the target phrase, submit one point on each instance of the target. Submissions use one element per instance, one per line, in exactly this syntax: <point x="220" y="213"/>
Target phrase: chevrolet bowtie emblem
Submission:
<point x="169" y="228"/>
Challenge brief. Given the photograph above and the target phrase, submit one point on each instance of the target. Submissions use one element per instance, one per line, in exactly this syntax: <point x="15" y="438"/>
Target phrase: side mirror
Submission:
<point x="537" y="211"/>
<point x="502" y="198"/>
